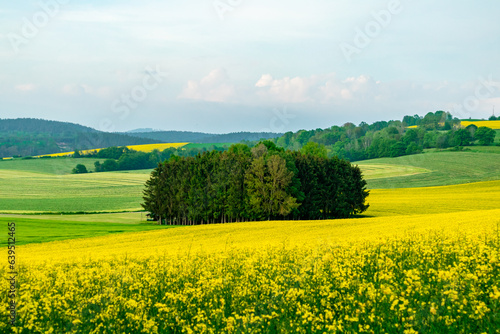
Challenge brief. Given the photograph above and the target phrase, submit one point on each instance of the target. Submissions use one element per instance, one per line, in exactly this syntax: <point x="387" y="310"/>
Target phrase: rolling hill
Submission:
<point x="29" y="137"/>
<point x="442" y="168"/>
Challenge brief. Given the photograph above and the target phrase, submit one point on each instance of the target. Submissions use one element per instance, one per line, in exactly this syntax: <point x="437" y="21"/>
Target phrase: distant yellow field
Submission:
<point x="467" y="208"/>
<point x="140" y="148"/>
<point x="433" y="200"/>
<point x="212" y="239"/>
<point x="490" y="124"/>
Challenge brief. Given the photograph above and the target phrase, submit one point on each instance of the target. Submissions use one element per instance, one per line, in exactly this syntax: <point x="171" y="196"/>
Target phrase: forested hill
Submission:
<point x="36" y="126"/>
<point x="200" y="137"/>
<point x="29" y="137"/>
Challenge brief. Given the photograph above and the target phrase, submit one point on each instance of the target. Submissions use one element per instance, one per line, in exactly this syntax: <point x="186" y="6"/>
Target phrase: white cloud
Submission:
<point x="264" y="81"/>
<point x="360" y="87"/>
<point x="290" y="90"/>
<point x="25" y="87"/>
<point x="215" y="87"/>
<point x="316" y="88"/>
<point x="366" y="96"/>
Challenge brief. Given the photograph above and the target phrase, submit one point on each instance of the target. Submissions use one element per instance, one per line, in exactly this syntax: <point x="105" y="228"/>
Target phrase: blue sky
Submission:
<point x="237" y="65"/>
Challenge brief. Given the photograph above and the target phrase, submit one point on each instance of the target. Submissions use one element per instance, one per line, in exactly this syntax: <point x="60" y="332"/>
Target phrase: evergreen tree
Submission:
<point x="263" y="183"/>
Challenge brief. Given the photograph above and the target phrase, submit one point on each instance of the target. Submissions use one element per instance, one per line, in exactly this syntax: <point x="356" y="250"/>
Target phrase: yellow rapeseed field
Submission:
<point x="490" y="124"/>
<point x="432" y="271"/>
<point x="140" y="148"/>
<point x="432" y="200"/>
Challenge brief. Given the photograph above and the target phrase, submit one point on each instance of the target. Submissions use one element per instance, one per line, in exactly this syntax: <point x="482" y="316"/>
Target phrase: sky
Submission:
<point x="236" y="65"/>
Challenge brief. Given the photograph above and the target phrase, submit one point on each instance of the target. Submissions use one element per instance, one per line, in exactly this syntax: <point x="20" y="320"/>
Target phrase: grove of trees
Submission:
<point x="260" y="183"/>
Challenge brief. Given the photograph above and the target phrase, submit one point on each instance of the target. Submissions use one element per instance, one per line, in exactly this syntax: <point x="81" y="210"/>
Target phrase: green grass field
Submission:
<point x="374" y="171"/>
<point x="45" y="185"/>
<point x="55" y="166"/>
<point x="32" y="229"/>
<point x="485" y="149"/>
<point x="27" y="192"/>
<point x="445" y="168"/>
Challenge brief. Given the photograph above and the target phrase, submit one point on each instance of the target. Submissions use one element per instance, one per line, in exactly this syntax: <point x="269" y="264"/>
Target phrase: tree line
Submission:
<point x="122" y="158"/>
<point x="246" y="184"/>
<point x="389" y="139"/>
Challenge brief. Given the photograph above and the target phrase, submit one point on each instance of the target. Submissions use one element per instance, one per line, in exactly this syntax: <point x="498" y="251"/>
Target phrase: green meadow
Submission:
<point x="442" y="168"/>
<point x="34" y="229"/>
<point x="53" y="166"/>
<point x="46" y="185"/>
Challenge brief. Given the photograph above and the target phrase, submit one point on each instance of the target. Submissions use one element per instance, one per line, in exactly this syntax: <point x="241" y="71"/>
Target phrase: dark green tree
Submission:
<point x="109" y="165"/>
<point x="411" y="136"/>
<point x="461" y="137"/>
<point x="413" y="148"/>
<point x="485" y="135"/>
<point x="398" y="149"/>
<point x="79" y="169"/>
<point x="443" y="139"/>
<point x="472" y="128"/>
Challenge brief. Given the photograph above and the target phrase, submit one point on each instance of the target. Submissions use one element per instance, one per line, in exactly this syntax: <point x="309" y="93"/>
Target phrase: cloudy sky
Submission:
<point x="237" y="65"/>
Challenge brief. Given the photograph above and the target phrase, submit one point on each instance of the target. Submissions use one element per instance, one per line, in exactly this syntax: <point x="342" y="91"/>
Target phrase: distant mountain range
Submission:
<point x="30" y="137"/>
